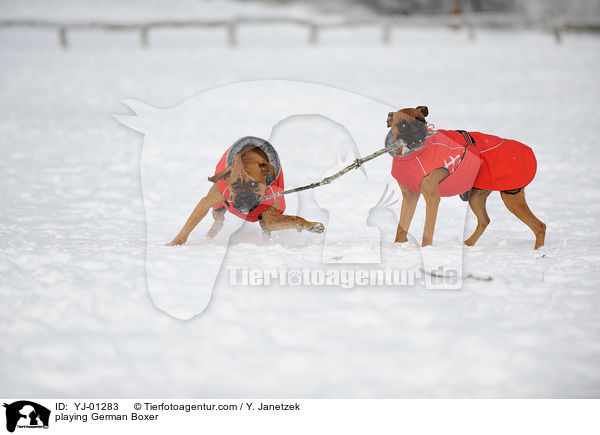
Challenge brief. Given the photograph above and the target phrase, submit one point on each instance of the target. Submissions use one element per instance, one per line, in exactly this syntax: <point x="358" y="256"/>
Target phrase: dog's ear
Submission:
<point x="220" y="176"/>
<point x="423" y="109"/>
<point x="390" y="117"/>
<point x="267" y="168"/>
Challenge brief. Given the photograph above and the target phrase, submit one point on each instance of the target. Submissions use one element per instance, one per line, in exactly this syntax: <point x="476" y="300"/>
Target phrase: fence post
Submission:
<point x="232" y="34"/>
<point x="471" y="31"/>
<point x="144" y="36"/>
<point x="386" y="35"/>
<point x="557" y="34"/>
<point x="313" y="35"/>
<point x="62" y="37"/>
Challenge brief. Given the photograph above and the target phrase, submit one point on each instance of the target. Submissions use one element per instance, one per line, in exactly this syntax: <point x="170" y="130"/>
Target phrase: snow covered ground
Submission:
<point x="76" y="315"/>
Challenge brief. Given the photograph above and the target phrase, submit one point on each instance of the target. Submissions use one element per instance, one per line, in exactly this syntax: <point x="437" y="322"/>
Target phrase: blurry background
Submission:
<point x="208" y="14"/>
<point x="194" y="8"/>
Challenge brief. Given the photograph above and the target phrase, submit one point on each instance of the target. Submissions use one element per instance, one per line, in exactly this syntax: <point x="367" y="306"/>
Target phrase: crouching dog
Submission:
<point x="248" y="171"/>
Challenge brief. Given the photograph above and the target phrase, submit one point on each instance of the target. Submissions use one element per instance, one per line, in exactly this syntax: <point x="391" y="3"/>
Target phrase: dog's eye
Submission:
<point x="235" y="184"/>
<point x="252" y="184"/>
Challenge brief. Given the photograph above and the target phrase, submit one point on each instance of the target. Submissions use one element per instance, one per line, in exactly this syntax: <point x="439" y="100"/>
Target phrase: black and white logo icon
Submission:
<point x="25" y="414"/>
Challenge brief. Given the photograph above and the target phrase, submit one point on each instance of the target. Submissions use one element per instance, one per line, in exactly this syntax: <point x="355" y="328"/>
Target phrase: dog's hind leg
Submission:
<point x="477" y="202"/>
<point x="518" y="206"/>
<point x="219" y="217"/>
<point x="409" y="204"/>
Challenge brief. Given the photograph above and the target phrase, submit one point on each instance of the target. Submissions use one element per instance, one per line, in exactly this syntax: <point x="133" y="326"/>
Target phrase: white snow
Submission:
<point x="76" y="315"/>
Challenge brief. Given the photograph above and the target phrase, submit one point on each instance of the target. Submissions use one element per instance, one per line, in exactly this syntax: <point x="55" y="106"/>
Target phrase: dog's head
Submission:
<point x="246" y="184"/>
<point x="409" y="124"/>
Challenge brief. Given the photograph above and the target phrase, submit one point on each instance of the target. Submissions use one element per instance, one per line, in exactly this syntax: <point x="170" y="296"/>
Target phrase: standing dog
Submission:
<point x="443" y="162"/>
<point x="248" y="170"/>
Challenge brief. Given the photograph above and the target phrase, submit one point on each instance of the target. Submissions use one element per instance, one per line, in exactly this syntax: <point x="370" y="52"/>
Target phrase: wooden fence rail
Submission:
<point x="471" y="22"/>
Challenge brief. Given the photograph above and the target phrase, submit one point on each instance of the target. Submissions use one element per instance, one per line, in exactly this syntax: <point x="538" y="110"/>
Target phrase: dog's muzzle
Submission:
<point x="245" y="202"/>
<point x="412" y="133"/>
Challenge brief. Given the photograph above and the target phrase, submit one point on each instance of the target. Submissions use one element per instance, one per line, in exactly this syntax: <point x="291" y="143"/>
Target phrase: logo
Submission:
<point x="451" y="162"/>
<point x="27" y="415"/>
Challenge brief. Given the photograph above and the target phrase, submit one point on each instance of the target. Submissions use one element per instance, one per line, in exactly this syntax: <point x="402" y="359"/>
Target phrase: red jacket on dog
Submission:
<point x="275" y="186"/>
<point x="506" y="164"/>
<point x="493" y="163"/>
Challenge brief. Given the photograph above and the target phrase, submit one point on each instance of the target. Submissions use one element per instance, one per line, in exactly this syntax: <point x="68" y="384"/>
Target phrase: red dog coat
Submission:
<point x="493" y="163"/>
<point x="439" y="151"/>
<point x="505" y="164"/>
<point x="273" y="186"/>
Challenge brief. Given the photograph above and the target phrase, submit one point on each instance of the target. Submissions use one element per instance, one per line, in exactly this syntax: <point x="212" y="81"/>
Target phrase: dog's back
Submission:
<point x="506" y="164"/>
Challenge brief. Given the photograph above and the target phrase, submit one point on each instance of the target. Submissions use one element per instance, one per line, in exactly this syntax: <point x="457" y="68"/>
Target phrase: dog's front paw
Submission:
<point x="177" y="241"/>
<point x="315" y="227"/>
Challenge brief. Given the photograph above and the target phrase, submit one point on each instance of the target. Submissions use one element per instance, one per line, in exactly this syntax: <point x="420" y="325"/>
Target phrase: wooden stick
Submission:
<point x="357" y="163"/>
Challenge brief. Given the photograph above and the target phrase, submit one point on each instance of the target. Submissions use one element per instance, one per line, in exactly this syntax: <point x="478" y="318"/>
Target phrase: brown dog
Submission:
<point x="507" y="166"/>
<point x="244" y="183"/>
